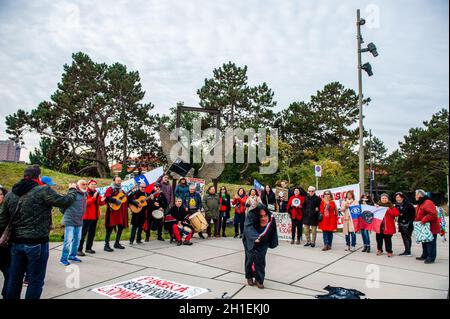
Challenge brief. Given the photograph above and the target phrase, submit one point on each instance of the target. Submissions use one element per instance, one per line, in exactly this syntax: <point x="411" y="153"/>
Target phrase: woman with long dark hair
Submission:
<point x="224" y="210"/>
<point x="268" y="198"/>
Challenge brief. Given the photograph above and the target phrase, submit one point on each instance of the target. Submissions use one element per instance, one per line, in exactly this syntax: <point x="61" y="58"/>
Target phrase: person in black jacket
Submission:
<point x="157" y="201"/>
<point x="405" y="220"/>
<point x="31" y="229"/>
<point x="178" y="212"/>
<point x="260" y="233"/>
<point x="311" y="211"/>
<point x="268" y="198"/>
<point x="137" y="219"/>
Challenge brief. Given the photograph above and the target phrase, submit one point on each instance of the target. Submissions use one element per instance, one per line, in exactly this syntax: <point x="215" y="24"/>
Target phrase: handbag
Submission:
<point x="422" y="232"/>
<point x="320" y="217"/>
<point x="5" y="239"/>
<point x="404" y="228"/>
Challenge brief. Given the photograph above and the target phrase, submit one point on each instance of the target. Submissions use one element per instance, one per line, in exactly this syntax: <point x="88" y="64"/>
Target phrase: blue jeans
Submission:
<point x="31" y="259"/>
<point x="365" y="237"/>
<point x="327" y="238"/>
<point x="72" y="236"/>
<point x="353" y="237"/>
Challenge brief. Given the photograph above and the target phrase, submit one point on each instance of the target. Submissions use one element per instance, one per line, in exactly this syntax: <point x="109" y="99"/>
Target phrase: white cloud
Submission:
<point x="294" y="46"/>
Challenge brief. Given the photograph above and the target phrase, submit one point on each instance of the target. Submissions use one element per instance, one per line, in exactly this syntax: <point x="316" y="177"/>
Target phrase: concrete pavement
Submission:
<point x="292" y="272"/>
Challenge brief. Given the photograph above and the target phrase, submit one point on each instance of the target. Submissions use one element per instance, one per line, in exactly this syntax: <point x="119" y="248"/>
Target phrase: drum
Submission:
<point x="184" y="230"/>
<point x="198" y="222"/>
<point x="158" y="214"/>
<point x="296" y="202"/>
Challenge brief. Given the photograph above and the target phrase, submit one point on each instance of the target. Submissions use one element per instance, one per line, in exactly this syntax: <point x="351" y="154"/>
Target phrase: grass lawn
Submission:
<point x="11" y="173"/>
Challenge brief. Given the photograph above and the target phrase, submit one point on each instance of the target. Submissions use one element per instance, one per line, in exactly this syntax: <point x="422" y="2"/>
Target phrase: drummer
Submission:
<point x="157" y="201"/>
<point x="181" y="216"/>
<point x="192" y="203"/>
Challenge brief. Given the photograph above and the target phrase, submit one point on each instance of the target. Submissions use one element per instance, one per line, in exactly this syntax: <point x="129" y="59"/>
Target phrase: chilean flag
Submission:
<point x="367" y="217"/>
<point x="149" y="178"/>
<point x="258" y="186"/>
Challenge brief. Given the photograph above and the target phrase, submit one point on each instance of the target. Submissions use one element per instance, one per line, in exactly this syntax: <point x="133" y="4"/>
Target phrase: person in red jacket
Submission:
<point x="90" y="218"/>
<point x="387" y="227"/>
<point x="328" y="225"/>
<point x="295" y="210"/>
<point x="426" y="212"/>
<point x="115" y="218"/>
<point x="239" y="201"/>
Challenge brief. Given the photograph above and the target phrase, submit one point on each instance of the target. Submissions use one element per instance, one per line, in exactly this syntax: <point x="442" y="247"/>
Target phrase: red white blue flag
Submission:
<point x="367" y="217"/>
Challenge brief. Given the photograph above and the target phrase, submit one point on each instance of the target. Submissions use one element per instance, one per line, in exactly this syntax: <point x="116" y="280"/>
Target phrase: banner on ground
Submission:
<point x="148" y="178"/>
<point x="284" y="225"/>
<point x="198" y="182"/>
<point x="149" y="287"/>
<point x="367" y="217"/>
<point x="339" y="195"/>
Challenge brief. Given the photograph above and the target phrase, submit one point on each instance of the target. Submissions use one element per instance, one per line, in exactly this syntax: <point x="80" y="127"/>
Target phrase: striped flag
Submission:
<point x="367" y="217"/>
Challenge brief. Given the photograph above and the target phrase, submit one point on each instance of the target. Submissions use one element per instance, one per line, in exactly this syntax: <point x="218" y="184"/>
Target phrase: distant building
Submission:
<point x="9" y="151"/>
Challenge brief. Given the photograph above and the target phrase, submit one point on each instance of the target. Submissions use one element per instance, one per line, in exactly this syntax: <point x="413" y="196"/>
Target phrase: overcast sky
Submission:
<point x="295" y="46"/>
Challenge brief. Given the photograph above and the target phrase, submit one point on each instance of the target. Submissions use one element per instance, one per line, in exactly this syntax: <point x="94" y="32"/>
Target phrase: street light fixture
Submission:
<point x="368" y="68"/>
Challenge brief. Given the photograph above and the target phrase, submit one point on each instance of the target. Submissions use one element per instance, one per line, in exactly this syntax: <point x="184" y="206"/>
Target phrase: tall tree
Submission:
<point x="425" y="151"/>
<point x="240" y="104"/>
<point x="325" y="120"/>
<point x="87" y="110"/>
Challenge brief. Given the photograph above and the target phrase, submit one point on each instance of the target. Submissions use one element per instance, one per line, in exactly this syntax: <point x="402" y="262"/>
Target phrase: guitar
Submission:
<point x="142" y="203"/>
<point x="122" y="197"/>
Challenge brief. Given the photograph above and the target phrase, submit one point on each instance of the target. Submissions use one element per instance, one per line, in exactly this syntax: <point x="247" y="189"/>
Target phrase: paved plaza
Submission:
<point x="293" y="271"/>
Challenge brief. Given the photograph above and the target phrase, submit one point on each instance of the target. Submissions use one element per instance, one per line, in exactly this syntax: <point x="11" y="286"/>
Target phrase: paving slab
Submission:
<point x="358" y="269"/>
<point x="320" y="280"/>
<point x="196" y="252"/>
<point x="129" y="253"/>
<point x="269" y="284"/>
<point x="278" y="268"/>
<point x="163" y="262"/>
<point x="216" y="288"/>
<point x="59" y="279"/>
<point x="229" y="243"/>
<point x="255" y="293"/>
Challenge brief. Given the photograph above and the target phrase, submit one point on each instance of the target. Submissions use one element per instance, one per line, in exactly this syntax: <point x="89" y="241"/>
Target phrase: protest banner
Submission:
<point x="285" y="191"/>
<point x="149" y="287"/>
<point x="198" y="182"/>
<point x="339" y="195"/>
<point x="284" y="225"/>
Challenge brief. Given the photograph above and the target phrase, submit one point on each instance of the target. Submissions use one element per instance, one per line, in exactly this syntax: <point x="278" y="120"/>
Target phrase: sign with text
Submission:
<point x="339" y="195"/>
<point x="284" y="225"/>
<point x="149" y="287"/>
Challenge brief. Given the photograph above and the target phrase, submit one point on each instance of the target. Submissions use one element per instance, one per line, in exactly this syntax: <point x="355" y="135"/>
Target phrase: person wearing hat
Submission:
<point x="30" y="239"/>
<point x="47" y="180"/>
<point x="387" y="227"/>
<point x="90" y="218"/>
<point x="407" y="214"/>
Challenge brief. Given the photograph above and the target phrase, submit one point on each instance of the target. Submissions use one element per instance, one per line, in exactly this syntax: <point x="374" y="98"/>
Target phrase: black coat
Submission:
<point x="310" y="214"/>
<point x="407" y="214"/>
<point x="138" y="219"/>
<point x="268" y="199"/>
<point x="252" y="231"/>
